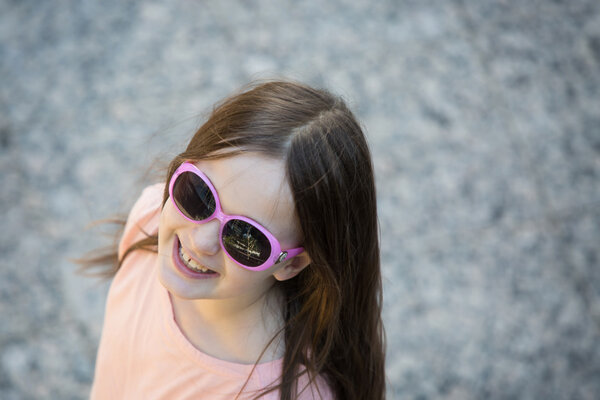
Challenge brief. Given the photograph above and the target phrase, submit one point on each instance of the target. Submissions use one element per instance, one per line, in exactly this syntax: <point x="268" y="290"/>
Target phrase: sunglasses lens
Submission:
<point x="193" y="197"/>
<point x="245" y="243"/>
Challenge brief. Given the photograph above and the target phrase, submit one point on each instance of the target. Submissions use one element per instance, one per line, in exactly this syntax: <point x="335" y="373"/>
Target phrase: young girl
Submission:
<point x="253" y="270"/>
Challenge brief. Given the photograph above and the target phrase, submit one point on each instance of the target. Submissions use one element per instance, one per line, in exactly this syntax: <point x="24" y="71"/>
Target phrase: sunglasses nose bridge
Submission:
<point x="219" y="216"/>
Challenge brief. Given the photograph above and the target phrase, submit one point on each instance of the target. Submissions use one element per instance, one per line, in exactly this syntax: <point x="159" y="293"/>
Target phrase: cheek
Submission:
<point x="169" y="222"/>
<point x="169" y="217"/>
<point x="249" y="280"/>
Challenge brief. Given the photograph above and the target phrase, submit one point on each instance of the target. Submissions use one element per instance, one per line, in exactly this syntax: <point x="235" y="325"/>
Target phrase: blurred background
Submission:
<point x="483" y="118"/>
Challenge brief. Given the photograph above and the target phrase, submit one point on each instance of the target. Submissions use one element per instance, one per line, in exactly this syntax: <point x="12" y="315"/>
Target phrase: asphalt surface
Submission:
<point x="483" y="119"/>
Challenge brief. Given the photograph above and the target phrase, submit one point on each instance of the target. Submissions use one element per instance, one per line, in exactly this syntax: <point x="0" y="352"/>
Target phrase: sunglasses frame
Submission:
<point x="277" y="254"/>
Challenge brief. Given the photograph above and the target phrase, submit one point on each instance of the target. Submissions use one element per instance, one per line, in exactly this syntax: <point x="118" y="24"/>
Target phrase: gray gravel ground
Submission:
<point x="484" y="121"/>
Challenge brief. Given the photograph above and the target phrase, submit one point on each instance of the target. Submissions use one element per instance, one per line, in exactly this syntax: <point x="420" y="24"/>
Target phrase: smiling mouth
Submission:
<point x="190" y="264"/>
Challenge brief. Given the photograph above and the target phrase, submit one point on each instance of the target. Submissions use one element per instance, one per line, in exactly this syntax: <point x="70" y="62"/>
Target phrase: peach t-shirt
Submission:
<point x="144" y="355"/>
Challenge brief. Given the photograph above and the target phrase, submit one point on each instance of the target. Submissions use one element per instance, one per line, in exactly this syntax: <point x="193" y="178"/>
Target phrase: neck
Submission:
<point x="233" y="329"/>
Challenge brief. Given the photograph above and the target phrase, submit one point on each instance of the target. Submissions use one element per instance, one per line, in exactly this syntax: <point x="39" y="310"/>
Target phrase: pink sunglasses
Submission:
<point x="246" y="242"/>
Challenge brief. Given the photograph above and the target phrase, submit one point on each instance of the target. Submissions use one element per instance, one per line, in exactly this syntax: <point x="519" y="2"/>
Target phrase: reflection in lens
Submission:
<point x="245" y="243"/>
<point x="193" y="196"/>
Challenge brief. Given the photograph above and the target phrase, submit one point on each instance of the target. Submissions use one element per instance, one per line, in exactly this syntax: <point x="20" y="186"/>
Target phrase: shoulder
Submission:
<point x="318" y="389"/>
<point x="149" y="199"/>
<point x="143" y="217"/>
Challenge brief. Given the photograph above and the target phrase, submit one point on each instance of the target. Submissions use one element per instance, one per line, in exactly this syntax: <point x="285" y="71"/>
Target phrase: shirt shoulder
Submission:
<point x="318" y="389"/>
<point x="143" y="217"/>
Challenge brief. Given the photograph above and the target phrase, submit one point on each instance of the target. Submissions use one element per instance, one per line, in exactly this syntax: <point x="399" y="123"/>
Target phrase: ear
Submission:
<point x="292" y="267"/>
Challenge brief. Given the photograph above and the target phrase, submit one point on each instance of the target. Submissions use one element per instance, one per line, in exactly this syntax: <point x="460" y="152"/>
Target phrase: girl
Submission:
<point x="253" y="270"/>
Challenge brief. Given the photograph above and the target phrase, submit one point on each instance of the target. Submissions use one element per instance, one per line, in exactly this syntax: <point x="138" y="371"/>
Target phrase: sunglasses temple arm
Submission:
<point x="294" y="252"/>
<point x="286" y="254"/>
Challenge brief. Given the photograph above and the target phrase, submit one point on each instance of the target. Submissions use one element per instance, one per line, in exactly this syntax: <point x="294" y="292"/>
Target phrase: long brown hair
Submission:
<point x="333" y="327"/>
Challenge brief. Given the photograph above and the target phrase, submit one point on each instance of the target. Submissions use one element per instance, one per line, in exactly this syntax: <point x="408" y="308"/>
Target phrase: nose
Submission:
<point x="205" y="237"/>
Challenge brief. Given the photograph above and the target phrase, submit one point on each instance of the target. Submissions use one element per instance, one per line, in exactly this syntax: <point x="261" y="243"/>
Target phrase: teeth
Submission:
<point x="191" y="264"/>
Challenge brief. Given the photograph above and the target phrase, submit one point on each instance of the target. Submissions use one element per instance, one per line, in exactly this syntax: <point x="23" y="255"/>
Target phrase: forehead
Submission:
<point x="256" y="187"/>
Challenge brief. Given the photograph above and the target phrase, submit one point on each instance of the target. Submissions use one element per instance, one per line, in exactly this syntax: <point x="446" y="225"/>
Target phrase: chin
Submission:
<point x="176" y="285"/>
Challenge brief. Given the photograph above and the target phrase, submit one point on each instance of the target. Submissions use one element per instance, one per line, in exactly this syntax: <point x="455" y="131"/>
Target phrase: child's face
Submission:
<point x="250" y="185"/>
